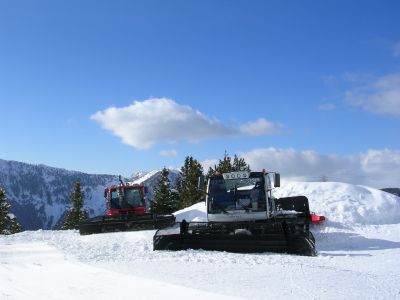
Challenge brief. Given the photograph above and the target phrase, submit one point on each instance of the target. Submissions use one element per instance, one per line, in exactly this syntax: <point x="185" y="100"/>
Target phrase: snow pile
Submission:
<point x="194" y="213"/>
<point x="346" y="203"/>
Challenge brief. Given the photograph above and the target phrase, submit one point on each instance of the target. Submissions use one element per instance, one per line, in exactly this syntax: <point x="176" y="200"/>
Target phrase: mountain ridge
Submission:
<point x="39" y="194"/>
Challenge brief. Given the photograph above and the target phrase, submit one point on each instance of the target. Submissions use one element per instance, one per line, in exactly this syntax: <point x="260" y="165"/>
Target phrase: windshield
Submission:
<point x="125" y="198"/>
<point x="236" y="194"/>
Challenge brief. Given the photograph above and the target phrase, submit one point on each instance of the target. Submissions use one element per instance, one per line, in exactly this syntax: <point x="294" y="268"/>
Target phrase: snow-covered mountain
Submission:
<point x="394" y="191"/>
<point x="39" y="195"/>
<point x="150" y="179"/>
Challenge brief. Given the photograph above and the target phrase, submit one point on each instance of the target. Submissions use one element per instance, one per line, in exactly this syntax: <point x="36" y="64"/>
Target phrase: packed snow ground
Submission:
<point x="359" y="250"/>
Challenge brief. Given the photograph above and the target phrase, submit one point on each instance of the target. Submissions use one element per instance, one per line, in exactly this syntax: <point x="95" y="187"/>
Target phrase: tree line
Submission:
<point x="168" y="198"/>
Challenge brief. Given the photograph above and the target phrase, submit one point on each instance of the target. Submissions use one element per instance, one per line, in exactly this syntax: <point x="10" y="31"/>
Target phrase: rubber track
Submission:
<point x="104" y="224"/>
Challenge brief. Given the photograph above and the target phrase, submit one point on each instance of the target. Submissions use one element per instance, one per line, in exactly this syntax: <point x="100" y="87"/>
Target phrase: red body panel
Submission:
<point x="139" y="210"/>
<point x="123" y="211"/>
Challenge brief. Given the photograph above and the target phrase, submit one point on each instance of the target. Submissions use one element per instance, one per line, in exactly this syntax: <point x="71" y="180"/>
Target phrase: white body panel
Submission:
<point x="232" y="216"/>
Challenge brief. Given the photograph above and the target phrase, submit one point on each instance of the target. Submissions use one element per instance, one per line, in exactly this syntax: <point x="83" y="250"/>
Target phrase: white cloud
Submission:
<point x="374" y="162"/>
<point x="260" y="127"/>
<point x="396" y="49"/>
<point x="169" y="153"/>
<point x="381" y="96"/>
<point x="159" y="120"/>
<point x="376" y="168"/>
<point x="327" y="106"/>
<point x="209" y="163"/>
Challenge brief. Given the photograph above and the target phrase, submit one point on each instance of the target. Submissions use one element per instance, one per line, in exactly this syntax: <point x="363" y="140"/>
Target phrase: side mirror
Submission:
<point x="146" y="189"/>
<point x="105" y="193"/>
<point x="277" y="180"/>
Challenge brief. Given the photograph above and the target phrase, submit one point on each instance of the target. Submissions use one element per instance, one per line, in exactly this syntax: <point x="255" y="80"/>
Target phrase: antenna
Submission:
<point x="121" y="182"/>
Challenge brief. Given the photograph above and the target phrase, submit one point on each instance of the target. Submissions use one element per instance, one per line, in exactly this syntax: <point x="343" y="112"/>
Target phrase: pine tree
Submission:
<point x="211" y="171"/>
<point x="239" y="164"/>
<point x="187" y="186"/>
<point x="76" y="213"/>
<point x="175" y="199"/>
<point x="226" y="165"/>
<point x="163" y="198"/>
<point x="8" y="222"/>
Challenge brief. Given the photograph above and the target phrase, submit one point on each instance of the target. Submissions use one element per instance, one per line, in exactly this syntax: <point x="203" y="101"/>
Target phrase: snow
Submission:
<point x="346" y="203"/>
<point x="62" y="278"/>
<point x="195" y="213"/>
<point x="145" y="177"/>
<point x="358" y="249"/>
<point x="247" y="187"/>
<point x="11" y="216"/>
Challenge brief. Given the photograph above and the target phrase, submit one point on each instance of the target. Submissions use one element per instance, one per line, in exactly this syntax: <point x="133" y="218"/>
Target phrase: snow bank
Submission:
<point x="346" y="203"/>
<point x="194" y="213"/>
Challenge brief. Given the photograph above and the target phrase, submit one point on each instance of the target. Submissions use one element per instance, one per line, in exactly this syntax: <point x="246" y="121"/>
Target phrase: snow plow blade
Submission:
<point x="102" y="224"/>
<point x="285" y="235"/>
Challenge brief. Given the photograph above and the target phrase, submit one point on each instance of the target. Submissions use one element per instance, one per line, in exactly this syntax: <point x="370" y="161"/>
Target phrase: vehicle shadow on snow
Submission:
<point x="328" y="223"/>
<point x="341" y="241"/>
<point x="344" y="254"/>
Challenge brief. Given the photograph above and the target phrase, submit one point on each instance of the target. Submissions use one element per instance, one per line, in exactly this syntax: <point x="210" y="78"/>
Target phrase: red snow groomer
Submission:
<point x="126" y="211"/>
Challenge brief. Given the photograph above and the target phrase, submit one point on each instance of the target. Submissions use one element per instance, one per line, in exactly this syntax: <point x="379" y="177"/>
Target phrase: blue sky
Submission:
<point x="308" y="88"/>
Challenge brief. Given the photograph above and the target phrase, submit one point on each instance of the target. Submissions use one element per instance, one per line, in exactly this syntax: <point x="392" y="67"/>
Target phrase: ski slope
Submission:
<point x="359" y="250"/>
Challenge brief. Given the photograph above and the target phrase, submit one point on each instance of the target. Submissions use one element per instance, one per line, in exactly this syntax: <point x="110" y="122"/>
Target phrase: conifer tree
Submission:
<point x="211" y="171"/>
<point x="8" y="222"/>
<point x="239" y="164"/>
<point x="76" y="213"/>
<point x="226" y="165"/>
<point x="175" y="199"/>
<point x="187" y="186"/>
<point x="163" y="198"/>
